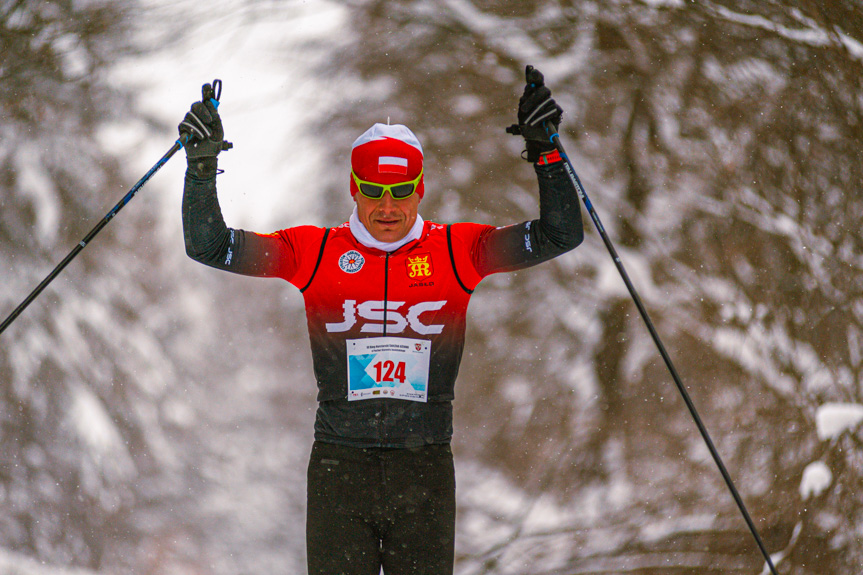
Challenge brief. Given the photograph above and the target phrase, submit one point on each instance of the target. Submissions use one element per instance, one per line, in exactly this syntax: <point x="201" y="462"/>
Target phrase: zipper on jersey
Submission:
<point x="383" y="410"/>
<point x="386" y="289"/>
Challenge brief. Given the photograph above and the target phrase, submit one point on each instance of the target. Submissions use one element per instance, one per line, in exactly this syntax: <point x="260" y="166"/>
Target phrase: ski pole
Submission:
<point x="96" y="229"/>
<point x="180" y="143"/>
<point x="555" y="139"/>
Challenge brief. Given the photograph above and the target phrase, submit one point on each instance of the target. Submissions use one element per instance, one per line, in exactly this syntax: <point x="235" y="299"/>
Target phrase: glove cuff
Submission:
<point x="535" y="149"/>
<point x="203" y="168"/>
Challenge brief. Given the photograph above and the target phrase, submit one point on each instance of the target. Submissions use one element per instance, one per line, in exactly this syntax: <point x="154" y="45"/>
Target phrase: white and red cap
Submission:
<point x="387" y="154"/>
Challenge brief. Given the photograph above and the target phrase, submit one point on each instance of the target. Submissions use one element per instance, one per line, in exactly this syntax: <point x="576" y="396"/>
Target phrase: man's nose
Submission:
<point x="387" y="202"/>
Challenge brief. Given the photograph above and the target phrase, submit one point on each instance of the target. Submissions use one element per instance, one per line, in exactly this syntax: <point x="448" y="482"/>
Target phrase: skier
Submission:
<point x="386" y="296"/>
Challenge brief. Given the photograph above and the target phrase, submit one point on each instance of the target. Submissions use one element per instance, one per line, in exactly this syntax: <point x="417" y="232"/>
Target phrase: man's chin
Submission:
<point x="387" y="234"/>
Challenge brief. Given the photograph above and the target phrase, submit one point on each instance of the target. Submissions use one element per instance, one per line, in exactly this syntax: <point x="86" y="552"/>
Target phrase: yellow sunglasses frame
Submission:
<point x="386" y="187"/>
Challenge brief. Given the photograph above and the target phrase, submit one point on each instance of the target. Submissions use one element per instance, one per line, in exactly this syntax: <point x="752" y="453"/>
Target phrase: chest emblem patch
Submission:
<point x="419" y="266"/>
<point x="351" y="262"/>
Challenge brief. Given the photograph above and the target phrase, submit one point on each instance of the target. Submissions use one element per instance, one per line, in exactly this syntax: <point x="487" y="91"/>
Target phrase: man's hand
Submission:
<point x="204" y="128"/>
<point x="538" y="115"/>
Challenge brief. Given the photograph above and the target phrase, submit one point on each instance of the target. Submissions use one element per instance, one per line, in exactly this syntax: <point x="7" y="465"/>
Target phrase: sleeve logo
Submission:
<point x="351" y="262"/>
<point x="419" y="266"/>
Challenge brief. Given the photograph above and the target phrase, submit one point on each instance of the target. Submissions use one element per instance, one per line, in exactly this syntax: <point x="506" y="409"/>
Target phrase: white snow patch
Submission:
<point x="832" y="419"/>
<point x="637" y="268"/>
<point x="657" y="531"/>
<point x="816" y="478"/>
<point x="546" y="514"/>
<point x="462" y="172"/>
<point x="468" y="105"/>
<point x="12" y="563"/>
<point x="93" y="423"/>
<point x="34" y="182"/>
<point x="520" y="393"/>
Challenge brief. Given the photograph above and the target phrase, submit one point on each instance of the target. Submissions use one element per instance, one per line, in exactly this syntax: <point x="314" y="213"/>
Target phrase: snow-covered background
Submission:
<point x="155" y="416"/>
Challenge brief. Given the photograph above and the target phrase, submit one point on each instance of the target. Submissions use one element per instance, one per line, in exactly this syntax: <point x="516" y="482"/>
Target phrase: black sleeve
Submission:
<point x="557" y="230"/>
<point x="211" y="242"/>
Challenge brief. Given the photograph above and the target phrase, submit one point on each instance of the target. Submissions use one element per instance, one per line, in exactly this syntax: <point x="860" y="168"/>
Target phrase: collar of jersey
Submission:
<point x="362" y="235"/>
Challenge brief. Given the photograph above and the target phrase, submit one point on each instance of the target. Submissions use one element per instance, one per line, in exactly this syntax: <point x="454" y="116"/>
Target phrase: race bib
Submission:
<point x="391" y="367"/>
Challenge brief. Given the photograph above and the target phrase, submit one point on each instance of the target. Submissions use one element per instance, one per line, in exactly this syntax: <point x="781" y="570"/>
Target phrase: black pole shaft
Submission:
<point x="98" y="227"/>
<point x="662" y="351"/>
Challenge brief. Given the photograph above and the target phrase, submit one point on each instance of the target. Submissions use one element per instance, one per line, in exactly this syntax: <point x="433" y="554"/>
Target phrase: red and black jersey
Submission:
<point x="419" y="292"/>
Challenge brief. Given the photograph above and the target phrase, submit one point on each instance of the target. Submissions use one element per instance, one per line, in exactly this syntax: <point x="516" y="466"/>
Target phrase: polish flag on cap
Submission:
<point x="387" y="154"/>
<point x="392" y="165"/>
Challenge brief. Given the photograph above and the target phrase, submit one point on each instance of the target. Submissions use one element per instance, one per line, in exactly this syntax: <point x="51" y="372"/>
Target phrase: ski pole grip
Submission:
<point x="212" y="92"/>
<point x="533" y="77"/>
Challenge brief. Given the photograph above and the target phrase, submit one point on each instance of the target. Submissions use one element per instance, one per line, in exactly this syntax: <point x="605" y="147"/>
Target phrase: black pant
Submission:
<point x="373" y="508"/>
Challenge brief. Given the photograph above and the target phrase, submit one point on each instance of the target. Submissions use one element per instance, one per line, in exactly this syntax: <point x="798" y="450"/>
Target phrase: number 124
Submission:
<point x="389" y="370"/>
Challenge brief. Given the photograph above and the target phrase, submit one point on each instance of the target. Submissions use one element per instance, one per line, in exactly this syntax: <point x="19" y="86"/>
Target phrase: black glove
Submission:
<point x="538" y="115"/>
<point x="203" y="129"/>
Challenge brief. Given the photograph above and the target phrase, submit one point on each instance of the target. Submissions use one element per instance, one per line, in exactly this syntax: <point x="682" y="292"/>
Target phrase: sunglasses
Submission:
<point x="399" y="191"/>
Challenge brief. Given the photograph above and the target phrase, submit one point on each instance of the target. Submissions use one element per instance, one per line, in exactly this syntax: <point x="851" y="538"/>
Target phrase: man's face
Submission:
<point x="387" y="219"/>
